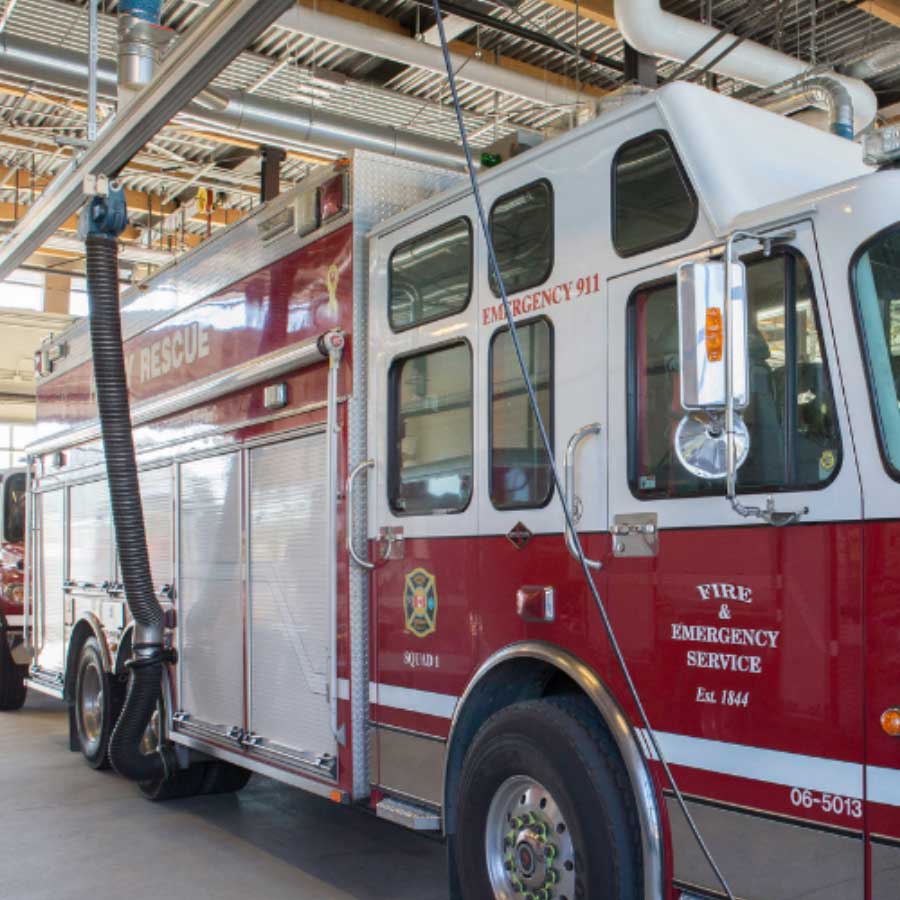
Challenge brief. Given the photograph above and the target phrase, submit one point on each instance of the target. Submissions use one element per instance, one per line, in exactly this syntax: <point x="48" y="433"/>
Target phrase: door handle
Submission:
<point x="569" y="483"/>
<point x="351" y="478"/>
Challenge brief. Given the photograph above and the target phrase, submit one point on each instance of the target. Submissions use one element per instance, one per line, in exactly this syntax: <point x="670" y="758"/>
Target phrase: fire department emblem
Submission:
<point x="420" y="603"/>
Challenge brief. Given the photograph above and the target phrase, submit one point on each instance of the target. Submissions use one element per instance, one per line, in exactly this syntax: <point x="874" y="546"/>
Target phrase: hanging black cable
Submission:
<point x="548" y="448"/>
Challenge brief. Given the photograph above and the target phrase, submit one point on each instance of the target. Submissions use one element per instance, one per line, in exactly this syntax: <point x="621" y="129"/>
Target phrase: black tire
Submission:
<point x="584" y="833"/>
<point x="12" y="679"/>
<point x="224" y="778"/>
<point x="95" y="705"/>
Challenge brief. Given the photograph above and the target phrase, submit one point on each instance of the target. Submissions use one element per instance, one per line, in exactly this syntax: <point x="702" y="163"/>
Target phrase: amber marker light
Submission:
<point x="714" y="334"/>
<point x="890" y="721"/>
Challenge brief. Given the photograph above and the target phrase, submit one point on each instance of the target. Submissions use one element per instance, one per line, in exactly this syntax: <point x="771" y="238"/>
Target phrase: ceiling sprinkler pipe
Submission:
<point x="652" y="30"/>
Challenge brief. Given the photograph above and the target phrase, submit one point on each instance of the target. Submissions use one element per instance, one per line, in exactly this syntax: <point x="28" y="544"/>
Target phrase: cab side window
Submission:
<point x="519" y="468"/>
<point x="430" y="436"/>
<point x="653" y="202"/>
<point x="794" y="440"/>
<point x="430" y="276"/>
<point x="521" y="224"/>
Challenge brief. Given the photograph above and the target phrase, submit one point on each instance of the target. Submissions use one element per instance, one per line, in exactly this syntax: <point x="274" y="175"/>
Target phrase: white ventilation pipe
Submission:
<point x="652" y="30"/>
<point x="409" y="52"/>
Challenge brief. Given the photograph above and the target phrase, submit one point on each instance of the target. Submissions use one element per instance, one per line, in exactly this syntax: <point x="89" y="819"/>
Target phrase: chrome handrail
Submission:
<point x="357" y="470"/>
<point x="569" y="482"/>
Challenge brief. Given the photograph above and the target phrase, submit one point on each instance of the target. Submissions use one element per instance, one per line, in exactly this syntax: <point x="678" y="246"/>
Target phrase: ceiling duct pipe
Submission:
<point x="268" y="121"/>
<point x="823" y="91"/>
<point x="271" y="121"/>
<point x="876" y="62"/>
<point x="652" y="30"/>
<point x="141" y="40"/>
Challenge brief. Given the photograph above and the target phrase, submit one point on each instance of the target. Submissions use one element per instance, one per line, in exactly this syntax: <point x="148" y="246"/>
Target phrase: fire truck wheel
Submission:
<point x="94" y="713"/>
<point x="545" y="808"/>
<point x="224" y="778"/>
<point x="12" y="680"/>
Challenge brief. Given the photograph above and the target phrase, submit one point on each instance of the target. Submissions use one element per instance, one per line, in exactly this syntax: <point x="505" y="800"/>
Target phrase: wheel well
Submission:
<point x="80" y="633"/>
<point x="512" y="681"/>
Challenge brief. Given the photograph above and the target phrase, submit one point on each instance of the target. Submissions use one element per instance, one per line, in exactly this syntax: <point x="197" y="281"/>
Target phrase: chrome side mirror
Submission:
<point x="701" y="327"/>
<point x="701" y="441"/>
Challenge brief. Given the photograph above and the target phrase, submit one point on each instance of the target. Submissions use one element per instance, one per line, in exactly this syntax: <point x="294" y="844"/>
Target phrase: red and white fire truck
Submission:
<point x="13" y="657"/>
<point x="354" y="531"/>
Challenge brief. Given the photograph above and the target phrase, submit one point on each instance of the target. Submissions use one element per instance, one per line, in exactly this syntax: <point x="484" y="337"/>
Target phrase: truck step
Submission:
<point x="51" y="688"/>
<point x="402" y="812"/>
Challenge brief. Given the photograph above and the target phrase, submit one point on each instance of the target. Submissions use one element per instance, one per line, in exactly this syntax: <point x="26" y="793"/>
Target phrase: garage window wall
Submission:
<point x="23" y="290"/>
<point x="13" y="440"/>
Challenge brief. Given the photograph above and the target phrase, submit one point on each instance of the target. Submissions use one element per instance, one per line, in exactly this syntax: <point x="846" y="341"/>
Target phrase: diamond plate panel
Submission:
<point x="91" y="558"/>
<point x="51" y="510"/>
<point x="211" y="609"/>
<point x="289" y="624"/>
<point x="382" y="186"/>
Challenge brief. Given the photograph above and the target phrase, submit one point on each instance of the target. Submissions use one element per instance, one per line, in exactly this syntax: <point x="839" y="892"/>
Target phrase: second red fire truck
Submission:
<point x="354" y="533"/>
<point x="13" y="655"/>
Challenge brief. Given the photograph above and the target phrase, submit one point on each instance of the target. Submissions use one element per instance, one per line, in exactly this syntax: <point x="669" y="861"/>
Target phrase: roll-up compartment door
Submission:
<point x="50" y="617"/>
<point x="211" y="633"/>
<point x="289" y="603"/>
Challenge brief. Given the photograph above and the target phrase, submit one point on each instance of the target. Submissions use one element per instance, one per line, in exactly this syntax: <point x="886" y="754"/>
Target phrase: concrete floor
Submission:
<point x="68" y="833"/>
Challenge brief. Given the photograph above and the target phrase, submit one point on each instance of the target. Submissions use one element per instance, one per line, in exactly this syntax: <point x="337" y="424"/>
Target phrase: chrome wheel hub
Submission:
<point x="528" y="845"/>
<point x="91" y="706"/>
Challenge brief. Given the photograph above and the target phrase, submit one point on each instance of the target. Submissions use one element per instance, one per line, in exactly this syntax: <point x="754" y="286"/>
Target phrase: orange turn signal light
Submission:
<point x="890" y="721"/>
<point x="714" y="335"/>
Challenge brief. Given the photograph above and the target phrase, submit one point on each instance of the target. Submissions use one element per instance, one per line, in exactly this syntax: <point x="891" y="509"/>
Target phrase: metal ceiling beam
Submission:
<point x="220" y="35"/>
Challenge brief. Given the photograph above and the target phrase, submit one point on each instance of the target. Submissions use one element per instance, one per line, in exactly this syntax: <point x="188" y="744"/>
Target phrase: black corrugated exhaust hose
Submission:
<point x="148" y="652"/>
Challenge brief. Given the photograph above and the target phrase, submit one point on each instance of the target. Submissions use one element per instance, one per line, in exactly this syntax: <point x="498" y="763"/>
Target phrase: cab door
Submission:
<point x="745" y="638"/>
<point x="423" y="514"/>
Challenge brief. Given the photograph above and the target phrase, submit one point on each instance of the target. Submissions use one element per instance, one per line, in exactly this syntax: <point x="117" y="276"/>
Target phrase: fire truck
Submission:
<point x="369" y="588"/>
<point x="13" y="656"/>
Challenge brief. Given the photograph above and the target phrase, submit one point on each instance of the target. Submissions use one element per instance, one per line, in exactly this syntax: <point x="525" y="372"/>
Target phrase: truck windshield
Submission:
<point x="876" y="286"/>
<point x="14" y="508"/>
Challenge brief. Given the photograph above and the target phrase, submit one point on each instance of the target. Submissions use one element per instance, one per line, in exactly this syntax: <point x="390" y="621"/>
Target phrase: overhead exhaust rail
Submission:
<point x="652" y="30"/>
<point x="216" y="38"/>
<point x="267" y="120"/>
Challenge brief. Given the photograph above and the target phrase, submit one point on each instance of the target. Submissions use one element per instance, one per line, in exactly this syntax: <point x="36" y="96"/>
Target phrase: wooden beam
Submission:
<point x="524" y="68"/>
<point x="596" y="10"/>
<point x="888" y="10"/>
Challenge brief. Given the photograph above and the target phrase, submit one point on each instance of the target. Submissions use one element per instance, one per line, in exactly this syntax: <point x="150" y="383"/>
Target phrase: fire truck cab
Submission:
<point x="355" y="532"/>
<point x="13" y="655"/>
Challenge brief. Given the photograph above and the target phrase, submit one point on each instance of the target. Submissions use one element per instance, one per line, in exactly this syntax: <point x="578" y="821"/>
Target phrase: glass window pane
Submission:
<point x="876" y="283"/>
<point x="23" y="289"/>
<point x="520" y="470"/>
<point x="78" y="298"/>
<point x="14" y="507"/>
<point x="653" y="203"/>
<point x="794" y="442"/>
<point x="431" y="462"/>
<point x="522" y="232"/>
<point x="431" y="276"/>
